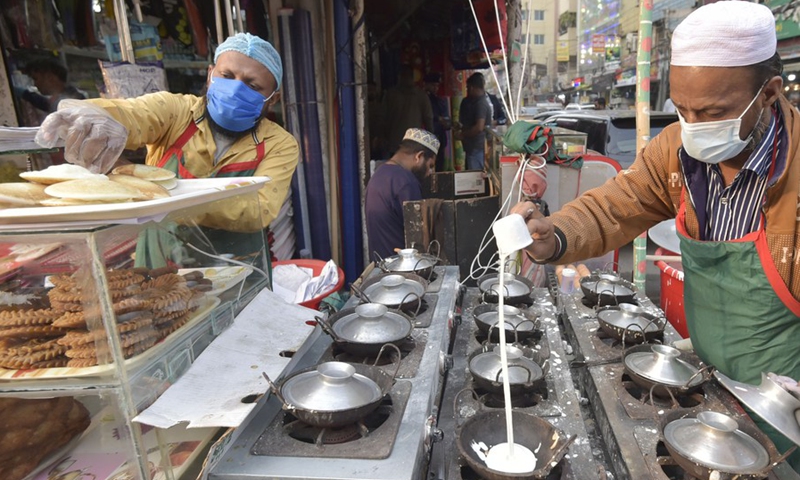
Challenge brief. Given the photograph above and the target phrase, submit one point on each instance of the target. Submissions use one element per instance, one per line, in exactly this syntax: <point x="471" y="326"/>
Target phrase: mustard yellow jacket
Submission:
<point x="157" y="120"/>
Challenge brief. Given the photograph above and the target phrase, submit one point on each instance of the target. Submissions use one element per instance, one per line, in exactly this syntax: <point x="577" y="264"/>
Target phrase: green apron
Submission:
<point x="157" y="248"/>
<point x="742" y="318"/>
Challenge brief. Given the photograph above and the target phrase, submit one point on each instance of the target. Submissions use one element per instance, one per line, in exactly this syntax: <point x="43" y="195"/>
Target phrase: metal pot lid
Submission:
<point x="513" y="319"/>
<point x="513" y="286"/>
<point x="372" y="323"/>
<point x="629" y="317"/>
<point x="394" y="290"/>
<point x="714" y="441"/>
<point x="609" y="284"/>
<point x="521" y="370"/>
<point x="332" y="387"/>
<point x="662" y="365"/>
<point x="770" y="401"/>
<point x="409" y="260"/>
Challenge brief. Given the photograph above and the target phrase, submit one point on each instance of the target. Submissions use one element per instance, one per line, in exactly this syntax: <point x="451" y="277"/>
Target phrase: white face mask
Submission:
<point x="715" y="142"/>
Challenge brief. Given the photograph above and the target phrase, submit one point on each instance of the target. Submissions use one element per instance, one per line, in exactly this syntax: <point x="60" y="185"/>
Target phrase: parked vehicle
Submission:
<point x="610" y="132"/>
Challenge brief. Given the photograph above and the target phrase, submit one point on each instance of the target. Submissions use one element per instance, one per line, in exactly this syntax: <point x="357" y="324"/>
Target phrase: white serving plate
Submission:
<point x="188" y="193"/>
<point x="665" y="236"/>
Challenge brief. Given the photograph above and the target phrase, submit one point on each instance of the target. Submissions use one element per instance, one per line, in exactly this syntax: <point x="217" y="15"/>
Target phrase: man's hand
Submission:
<point x="540" y="228"/>
<point x="93" y="139"/>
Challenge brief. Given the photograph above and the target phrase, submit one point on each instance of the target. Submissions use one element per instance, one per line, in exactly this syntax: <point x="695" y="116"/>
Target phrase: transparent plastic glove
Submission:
<point x="93" y="139"/>
<point x="790" y="385"/>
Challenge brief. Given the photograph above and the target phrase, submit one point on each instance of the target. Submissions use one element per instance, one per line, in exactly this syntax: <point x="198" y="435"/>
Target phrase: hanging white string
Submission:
<point x="524" y="61"/>
<point x="505" y="62"/>
<point x="486" y="51"/>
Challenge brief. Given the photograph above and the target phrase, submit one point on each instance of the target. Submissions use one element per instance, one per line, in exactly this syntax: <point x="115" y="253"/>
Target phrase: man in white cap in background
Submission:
<point x="222" y="134"/>
<point x="729" y="172"/>
<point x="396" y="181"/>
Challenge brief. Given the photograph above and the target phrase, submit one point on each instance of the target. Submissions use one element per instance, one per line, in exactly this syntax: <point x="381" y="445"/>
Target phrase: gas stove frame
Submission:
<point x="409" y="457"/>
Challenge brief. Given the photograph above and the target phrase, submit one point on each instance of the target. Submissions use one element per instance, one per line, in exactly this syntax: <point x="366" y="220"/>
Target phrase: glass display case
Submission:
<point x="102" y="308"/>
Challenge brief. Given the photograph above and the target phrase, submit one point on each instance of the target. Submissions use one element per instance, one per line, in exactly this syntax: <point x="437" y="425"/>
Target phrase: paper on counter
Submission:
<point x="298" y="284"/>
<point x="209" y="394"/>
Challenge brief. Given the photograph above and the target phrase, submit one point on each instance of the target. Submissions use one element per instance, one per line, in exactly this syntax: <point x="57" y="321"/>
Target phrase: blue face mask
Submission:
<point x="233" y="105"/>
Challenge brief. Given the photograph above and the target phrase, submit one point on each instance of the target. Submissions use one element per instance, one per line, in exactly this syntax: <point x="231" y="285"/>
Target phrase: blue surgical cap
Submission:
<point x="256" y="48"/>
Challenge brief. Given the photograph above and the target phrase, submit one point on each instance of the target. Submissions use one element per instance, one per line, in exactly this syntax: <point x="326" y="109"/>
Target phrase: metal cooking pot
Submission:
<point x="530" y="431"/>
<point x="363" y="330"/>
<point x="519" y="325"/>
<point x="663" y="370"/>
<point x="333" y="394"/>
<point x="630" y="323"/>
<point x="395" y="290"/>
<point x="714" y="445"/>
<point x="607" y="289"/>
<point x="517" y="288"/>
<point x="408" y="260"/>
<point x="524" y="374"/>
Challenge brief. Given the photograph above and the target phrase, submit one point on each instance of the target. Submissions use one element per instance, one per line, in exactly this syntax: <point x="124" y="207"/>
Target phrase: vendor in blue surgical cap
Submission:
<point x="222" y="134"/>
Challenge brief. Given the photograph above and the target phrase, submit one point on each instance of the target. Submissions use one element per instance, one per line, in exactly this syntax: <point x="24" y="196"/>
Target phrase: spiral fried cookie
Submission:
<point x="31" y="331"/>
<point x="164" y="282"/>
<point x="22" y="318"/>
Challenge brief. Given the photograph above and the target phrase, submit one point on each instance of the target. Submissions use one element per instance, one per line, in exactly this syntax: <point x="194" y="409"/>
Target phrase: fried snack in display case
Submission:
<point x="98" y="317"/>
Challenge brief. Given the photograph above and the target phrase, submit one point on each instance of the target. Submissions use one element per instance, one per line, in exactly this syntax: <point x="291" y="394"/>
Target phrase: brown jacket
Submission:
<point x="613" y="214"/>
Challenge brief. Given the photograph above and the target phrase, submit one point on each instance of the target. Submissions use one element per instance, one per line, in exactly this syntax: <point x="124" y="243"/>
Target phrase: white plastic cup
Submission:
<point x="511" y="234"/>
<point x="568" y="280"/>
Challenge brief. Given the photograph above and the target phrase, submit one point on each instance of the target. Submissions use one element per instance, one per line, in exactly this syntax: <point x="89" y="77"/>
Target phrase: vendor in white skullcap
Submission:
<point x="729" y="174"/>
<point x="397" y="181"/>
<point x="224" y="133"/>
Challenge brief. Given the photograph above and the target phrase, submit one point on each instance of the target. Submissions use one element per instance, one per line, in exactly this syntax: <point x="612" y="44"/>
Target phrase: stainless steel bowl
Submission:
<point x="661" y="365"/>
<point x="333" y="386"/>
<point x="394" y="290"/>
<point x="373" y="323"/>
<point x="713" y="440"/>
<point x="521" y="370"/>
<point x="409" y="260"/>
<point x="513" y="286"/>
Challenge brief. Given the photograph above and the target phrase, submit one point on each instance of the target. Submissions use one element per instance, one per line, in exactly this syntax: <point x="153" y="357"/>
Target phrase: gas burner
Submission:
<point x="496" y="400"/>
<point x="388" y="357"/>
<point x="679" y="401"/>
<point x="555" y="474"/>
<point x="672" y="470"/>
<point x="587" y="302"/>
<point x="530" y="341"/>
<point x="333" y="436"/>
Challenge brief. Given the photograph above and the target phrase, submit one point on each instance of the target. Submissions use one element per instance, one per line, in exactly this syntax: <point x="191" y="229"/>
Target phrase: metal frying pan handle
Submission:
<point x="515" y="262"/>
<point x="438" y="248"/>
<point x="527" y="381"/>
<point x="430" y="273"/>
<point x="399" y="356"/>
<point x="630" y="327"/>
<point x="412" y="295"/>
<point x="379" y="261"/>
<point x="328" y="328"/>
<point x="360" y="294"/>
<point x="456" y="412"/>
<point x="600" y="293"/>
<point x="566" y="445"/>
<point x="779" y="459"/>
<point x="613" y="264"/>
<point x="275" y="390"/>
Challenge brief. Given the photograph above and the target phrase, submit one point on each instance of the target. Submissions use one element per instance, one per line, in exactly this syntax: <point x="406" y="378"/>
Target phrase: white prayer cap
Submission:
<point x="725" y="34"/>
<point x="424" y="138"/>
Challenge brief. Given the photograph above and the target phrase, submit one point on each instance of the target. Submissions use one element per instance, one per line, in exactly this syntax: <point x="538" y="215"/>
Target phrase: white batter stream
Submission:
<point x="507" y="457"/>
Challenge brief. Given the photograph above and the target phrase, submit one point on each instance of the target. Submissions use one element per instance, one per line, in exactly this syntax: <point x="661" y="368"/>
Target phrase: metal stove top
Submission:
<point x="627" y="420"/>
<point x="558" y="403"/>
<point x="257" y="451"/>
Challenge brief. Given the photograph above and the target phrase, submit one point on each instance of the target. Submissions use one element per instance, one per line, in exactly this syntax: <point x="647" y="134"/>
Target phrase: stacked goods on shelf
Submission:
<point x="32" y="429"/>
<point x="53" y="332"/>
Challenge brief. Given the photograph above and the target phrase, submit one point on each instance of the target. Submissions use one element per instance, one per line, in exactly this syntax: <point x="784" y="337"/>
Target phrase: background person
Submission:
<point x="405" y="106"/>
<point x="729" y="172"/>
<point x="397" y="181"/>
<point x="474" y="116"/>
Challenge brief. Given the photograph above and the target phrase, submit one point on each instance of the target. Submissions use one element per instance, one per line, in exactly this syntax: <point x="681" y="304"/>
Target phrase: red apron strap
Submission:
<point x="261" y="152"/>
<point x="177" y="147"/>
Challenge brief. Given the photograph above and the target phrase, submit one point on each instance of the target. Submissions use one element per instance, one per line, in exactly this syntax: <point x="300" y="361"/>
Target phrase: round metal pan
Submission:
<point x="366" y="349"/>
<point x="607" y="289"/>
<point x="632" y="332"/>
<point x="490" y="295"/>
<point x="519" y="333"/>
